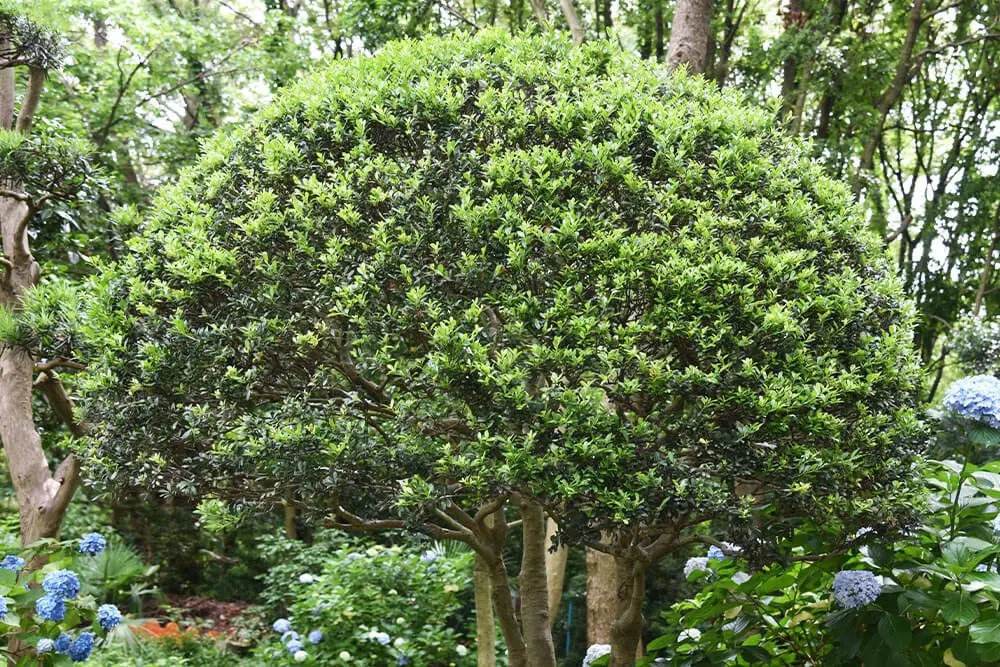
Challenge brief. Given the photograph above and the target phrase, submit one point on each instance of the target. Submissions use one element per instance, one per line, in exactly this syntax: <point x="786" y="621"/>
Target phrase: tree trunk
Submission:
<point x="503" y="606"/>
<point x="555" y="568"/>
<point x="573" y="20"/>
<point x="626" y="631"/>
<point x="485" y="623"/>
<point x="291" y="530"/>
<point x="534" y="588"/>
<point x="42" y="498"/>
<point x="689" y="35"/>
<point x="6" y="89"/>
<point x="602" y="596"/>
<point x="790" y="68"/>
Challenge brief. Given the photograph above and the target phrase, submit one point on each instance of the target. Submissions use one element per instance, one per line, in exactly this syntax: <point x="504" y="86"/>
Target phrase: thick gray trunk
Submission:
<point x="689" y="35"/>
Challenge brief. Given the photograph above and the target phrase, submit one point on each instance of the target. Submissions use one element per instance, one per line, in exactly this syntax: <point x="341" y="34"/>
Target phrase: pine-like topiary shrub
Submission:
<point x="479" y="268"/>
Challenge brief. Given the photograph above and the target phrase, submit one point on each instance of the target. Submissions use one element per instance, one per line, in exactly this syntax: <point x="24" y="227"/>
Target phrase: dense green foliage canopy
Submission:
<point x="475" y="265"/>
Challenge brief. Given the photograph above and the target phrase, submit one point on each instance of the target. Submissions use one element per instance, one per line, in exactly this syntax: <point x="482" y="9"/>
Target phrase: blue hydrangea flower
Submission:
<point x="81" y="647"/>
<point x="12" y="563"/>
<point x="62" y="583"/>
<point x="715" y="553"/>
<point x="996" y="525"/>
<point x="294" y="646"/>
<point x="316" y="636"/>
<point x="428" y="556"/>
<point x="61" y="643"/>
<point x="3" y="607"/>
<point x="855" y="588"/>
<point x="92" y="544"/>
<point x="108" y="616"/>
<point x="50" y="608"/>
<point x="289" y="636"/>
<point x="976" y="397"/>
<point x="382" y="638"/>
<point x="282" y="625"/>
<point x="45" y="645"/>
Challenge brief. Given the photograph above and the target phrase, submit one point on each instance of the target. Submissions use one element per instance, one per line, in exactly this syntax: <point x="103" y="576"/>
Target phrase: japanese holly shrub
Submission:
<point x="370" y="604"/>
<point x="482" y="264"/>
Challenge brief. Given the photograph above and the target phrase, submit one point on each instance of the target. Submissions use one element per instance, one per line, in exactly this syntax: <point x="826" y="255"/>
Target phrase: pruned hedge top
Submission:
<point x="488" y="263"/>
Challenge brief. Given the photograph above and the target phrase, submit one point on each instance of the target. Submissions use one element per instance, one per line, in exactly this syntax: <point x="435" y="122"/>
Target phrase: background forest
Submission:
<point x="116" y="100"/>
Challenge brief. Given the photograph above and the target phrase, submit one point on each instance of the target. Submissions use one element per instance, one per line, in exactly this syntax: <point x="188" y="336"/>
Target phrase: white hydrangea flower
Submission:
<point x="344" y="655"/>
<point x="594" y="652"/>
<point x="461" y="650"/>
<point x="300" y="656"/>
<point x="694" y="565"/>
<point x="691" y="634"/>
<point x="306" y="578"/>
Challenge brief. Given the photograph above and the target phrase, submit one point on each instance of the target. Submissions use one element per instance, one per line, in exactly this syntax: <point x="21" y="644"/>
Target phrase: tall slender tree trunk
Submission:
<point x="602" y="596"/>
<point x="626" y="631"/>
<point x="689" y="35"/>
<point x="485" y="623"/>
<point x="503" y="606"/>
<point x="534" y="588"/>
<point x="573" y="20"/>
<point x="658" y="30"/>
<point x="486" y="629"/>
<point x="555" y="567"/>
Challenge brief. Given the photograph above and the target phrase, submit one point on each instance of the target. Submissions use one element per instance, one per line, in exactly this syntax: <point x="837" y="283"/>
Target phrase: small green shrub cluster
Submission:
<point x="371" y="605"/>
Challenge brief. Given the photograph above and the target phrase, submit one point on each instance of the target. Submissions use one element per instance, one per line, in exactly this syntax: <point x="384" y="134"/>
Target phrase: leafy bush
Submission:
<point x="939" y="602"/>
<point x="377" y="606"/>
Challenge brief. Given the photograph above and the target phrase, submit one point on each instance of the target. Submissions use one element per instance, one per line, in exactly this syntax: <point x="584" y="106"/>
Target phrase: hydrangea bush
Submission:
<point x="929" y="598"/>
<point x="43" y="607"/>
<point x="372" y="605"/>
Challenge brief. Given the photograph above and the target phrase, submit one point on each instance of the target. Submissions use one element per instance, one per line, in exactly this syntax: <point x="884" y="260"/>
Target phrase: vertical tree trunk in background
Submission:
<point x="987" y="275"/>
<point x="658" y="30"/>
<point x="790" y="68"/>
<point x="689" y="35"/>
<point x="538" y="6"/>
<point x="626" y="631"/>
<point x="534" y="588"/>
<point x="573" y="20"/>
<point x="887" y="100"/>
<point x="291" y="530"/>
<point x="555" y="567"/>
<point x="6" y="90"/>
<point x="602" y="596"/>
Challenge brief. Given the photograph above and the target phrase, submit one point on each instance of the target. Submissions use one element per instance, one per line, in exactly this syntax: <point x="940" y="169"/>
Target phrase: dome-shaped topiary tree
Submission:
<point x="484" y="270"/>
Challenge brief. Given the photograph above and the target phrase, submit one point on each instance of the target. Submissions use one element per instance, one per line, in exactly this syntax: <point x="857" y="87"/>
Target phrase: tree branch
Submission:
<point x="59" y="362"/>
<point x="36" y="80"/>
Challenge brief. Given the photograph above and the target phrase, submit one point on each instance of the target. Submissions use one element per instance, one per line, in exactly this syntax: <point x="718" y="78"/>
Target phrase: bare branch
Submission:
<point x="59" y="362"/>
